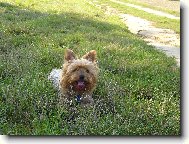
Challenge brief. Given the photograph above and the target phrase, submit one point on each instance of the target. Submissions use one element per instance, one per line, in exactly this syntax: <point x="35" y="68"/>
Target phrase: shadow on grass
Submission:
<point x="25" y="36"/>
<point x="32" y="43"/>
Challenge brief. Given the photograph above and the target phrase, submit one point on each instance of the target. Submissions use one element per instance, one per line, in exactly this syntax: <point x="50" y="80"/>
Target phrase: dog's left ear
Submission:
<point x="91" y="56"/>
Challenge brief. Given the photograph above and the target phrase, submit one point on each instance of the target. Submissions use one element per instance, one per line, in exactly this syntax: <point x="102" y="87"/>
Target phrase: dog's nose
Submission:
<point x="81" y="77"/>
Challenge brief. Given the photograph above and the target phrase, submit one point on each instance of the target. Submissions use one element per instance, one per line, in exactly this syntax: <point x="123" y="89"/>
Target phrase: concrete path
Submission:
<point x="148" y="10"/>
<point x="165" y="40"/>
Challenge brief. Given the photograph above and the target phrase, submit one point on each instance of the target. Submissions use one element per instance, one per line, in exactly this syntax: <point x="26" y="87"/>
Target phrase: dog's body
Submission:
<point x="78" y="77"/>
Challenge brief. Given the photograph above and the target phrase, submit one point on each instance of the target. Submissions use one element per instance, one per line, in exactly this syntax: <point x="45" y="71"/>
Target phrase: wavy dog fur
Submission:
<point x="73" y="70"/>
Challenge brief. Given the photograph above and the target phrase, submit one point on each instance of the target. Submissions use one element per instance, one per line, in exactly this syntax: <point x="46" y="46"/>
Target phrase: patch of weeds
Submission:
<point x="138" y="90"/>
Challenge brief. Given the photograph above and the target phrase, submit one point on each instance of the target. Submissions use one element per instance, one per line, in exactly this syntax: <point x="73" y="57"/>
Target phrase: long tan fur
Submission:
<point x="72" y="69"/>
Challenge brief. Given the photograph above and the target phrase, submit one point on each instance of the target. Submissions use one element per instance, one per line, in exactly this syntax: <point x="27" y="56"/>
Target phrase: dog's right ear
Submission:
<point x="91" y="56"/>
<point x="69" y="55"/>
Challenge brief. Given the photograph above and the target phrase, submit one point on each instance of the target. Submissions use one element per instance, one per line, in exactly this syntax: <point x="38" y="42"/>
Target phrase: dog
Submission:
<point x="77" y="78"/>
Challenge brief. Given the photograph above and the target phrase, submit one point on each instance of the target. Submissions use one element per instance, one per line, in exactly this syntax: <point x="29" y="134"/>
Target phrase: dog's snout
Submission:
<point x="81" y="77"/>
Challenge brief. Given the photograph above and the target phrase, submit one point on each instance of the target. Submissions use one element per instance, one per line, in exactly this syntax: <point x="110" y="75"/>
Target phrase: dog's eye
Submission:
<point x="87" y="71"/>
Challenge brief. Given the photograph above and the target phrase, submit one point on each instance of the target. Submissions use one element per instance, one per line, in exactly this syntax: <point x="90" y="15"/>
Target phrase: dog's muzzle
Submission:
<point x="81" y="85"/>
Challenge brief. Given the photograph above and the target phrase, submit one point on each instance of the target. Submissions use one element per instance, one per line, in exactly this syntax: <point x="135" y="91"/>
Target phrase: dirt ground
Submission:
<point x="168" y="4"/>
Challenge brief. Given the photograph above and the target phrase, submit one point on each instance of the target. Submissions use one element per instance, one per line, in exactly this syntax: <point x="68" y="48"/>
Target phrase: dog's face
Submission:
<point x="80" y="75"/>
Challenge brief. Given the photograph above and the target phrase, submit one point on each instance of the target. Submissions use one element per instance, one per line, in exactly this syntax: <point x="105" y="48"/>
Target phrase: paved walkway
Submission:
<point x="165" y="40"/>
<point x="148" y="10"/>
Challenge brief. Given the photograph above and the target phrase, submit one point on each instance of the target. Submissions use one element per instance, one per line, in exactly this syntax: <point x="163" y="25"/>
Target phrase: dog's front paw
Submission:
<point x="88" y="101"/>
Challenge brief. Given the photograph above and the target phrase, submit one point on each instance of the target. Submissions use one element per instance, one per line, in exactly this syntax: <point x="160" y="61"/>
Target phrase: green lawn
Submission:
<point x="138" y="91"/>
<point x="159" y="21"/>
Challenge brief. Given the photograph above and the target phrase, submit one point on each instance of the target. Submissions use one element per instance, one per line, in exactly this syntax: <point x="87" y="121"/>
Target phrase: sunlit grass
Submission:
<point x="173" y="12"/>
<point x="158" y="21"/>
<point x="138" y="91"/>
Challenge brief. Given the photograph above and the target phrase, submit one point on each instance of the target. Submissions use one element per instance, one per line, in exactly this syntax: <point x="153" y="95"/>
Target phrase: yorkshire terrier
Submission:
<point x="78" y="77"/>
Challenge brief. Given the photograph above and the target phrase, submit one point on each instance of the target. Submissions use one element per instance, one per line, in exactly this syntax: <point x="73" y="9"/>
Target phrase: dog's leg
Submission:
<point x="87" y="100"/>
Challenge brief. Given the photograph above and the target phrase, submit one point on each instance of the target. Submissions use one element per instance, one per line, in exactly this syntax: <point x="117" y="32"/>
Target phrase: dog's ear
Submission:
<point x="91" y="56"/>
<point x="69" y="55"/>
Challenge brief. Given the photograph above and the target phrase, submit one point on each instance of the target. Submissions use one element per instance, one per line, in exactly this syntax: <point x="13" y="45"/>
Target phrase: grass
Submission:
<point x="158" y="21"/>
<point x="138" y="91"/>
<point x="176" y="13"/>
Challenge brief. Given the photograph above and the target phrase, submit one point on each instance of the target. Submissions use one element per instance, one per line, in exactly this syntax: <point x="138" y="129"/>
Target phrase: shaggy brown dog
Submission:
<point x="79" y="77"/>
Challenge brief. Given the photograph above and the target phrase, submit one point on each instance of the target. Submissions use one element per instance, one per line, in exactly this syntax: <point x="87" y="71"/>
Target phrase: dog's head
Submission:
<point x="80" y="74"/>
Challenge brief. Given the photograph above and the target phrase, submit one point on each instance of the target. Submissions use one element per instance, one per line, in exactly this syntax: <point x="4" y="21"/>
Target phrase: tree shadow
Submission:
<point x="59" y="31"/>
<point x="63" y="23"/>
<point x="24" y="29"/>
